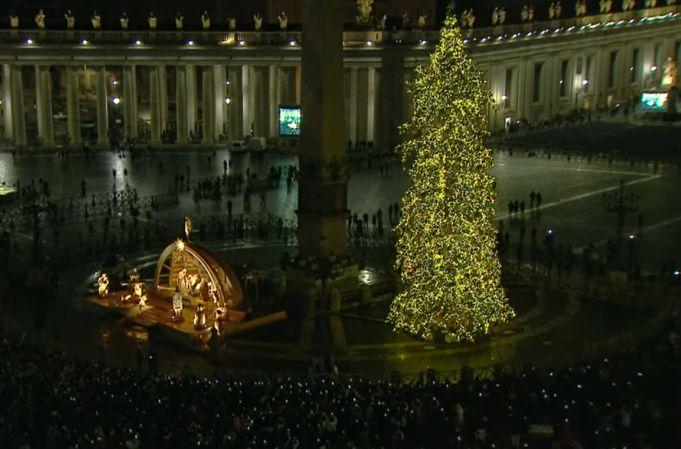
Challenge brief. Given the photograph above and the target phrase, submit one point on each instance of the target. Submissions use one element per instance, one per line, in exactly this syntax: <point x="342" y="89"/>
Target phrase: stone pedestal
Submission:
<point x="322" y="192"/>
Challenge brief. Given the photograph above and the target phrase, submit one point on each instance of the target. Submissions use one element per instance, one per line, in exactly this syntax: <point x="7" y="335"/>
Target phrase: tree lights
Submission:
<point x="446" y="248"/>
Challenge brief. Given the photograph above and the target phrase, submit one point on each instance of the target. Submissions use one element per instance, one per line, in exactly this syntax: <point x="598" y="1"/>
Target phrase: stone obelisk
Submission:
<point x="322" y="191"/>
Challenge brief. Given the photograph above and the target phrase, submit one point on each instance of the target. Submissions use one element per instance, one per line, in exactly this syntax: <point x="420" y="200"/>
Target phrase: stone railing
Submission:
<point x="573" y="25"/>
<point x="358" y="38"/>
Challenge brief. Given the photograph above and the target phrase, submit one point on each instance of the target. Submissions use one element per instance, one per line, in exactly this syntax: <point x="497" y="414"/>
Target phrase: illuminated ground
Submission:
<point x="572" y="206"/>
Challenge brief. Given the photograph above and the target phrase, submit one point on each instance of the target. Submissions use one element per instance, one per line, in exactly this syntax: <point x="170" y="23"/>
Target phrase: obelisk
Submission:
<point x="322" y="191"/>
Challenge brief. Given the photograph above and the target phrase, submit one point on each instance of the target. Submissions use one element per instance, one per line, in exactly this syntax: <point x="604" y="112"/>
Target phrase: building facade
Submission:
<point x="204" y="87"/>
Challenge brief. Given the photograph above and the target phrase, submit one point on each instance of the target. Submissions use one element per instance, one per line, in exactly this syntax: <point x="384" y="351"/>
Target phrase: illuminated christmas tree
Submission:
<point x="446" y="248"/>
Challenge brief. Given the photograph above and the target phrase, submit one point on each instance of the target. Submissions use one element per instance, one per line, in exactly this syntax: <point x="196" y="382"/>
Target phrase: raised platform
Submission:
<point x="158" y="314"/>
<point x="7" y="193"/>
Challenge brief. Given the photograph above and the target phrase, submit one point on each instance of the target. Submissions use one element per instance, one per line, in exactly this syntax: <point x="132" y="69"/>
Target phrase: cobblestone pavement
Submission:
<point x="572" y="207"/>
<point x="572" y="191"/>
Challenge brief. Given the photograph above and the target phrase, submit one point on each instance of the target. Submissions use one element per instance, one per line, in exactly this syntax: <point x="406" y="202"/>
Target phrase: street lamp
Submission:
<point x="497" y="106"/>
<point x="579" y="91"/>
<point x="621" y="204"/>
<point x="650" y="78"/>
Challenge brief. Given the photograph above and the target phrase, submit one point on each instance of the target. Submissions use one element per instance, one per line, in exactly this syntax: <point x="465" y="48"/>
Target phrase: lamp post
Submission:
<point x="579" y="91"/>
<point x="650" y="78"/>
<point x="621" y="204"/>
<point x="496" y="107"/>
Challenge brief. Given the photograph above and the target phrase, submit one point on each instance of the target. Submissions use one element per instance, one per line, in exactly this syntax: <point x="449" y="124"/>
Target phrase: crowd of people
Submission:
<point x="53" y="400"/>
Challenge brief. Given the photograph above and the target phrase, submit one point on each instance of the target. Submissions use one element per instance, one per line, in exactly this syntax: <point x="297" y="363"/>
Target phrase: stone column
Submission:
<point x="208" y="107"/>
<point x="190" y="74"/>
<point x="380" y="121"/>
<point x="130" y="101"/>
<point x="407" y="79"/>
<point x="155" y="104"/>
<point x="371" y="104"/>
<point x="298" y="83"/>
<point x="525" y="94"/>
<point x="353" y="105"/>
<point x="181" y="104"/>
<point x="392" y="83"/>
<point x="102" y="106"/>
<point x="287" y="85"/>
<point x="362" y="103"/>
<point x="8" y="127"/>
<point x="17" y="105"/>
<point x="43" y="94"/>
<point x="236" y="105"/>
<point x="219" y="99"/>
<point x="260" y="88"/>
<point x="322" y="192"/>
<point x="599" y="78"/>
<point x="72" y="107"/>
<point x="247" y="99"/>
<point x="273" y="100"/>
<point x="163" y="96"/>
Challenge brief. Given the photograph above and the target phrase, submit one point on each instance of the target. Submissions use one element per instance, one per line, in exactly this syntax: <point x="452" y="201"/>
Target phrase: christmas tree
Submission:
<point x="446" y="247"/>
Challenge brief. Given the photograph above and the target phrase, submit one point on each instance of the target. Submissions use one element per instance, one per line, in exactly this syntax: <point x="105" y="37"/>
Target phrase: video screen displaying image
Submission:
<point x="289" y="120"/>
<point x="654" y="101"/>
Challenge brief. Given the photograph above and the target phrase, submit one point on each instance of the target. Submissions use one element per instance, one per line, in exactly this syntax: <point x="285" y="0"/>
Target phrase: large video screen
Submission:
<point x="654" y="101"/>
<point x="289" y="120"/>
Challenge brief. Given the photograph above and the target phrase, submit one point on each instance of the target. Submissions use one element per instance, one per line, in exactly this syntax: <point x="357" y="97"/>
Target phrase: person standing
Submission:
<point x="205" y="20"/>
<point x="124" y="20"/>
<point x="14" y="21"/>
<point x="96" y="21"/>
<point x="153" y="21"/>
<point x="40" y="19"/>
<point x="283" y="21"/>
<point x="70" y="20"/>
<point x="257" y="21"/>
<point x="538" y="200"/>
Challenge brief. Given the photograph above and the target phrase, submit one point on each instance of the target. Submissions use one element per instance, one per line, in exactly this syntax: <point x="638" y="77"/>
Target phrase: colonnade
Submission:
<point x="603" y="73"/>
<point x="233" y="101"/>
<point x="241" y="98"/>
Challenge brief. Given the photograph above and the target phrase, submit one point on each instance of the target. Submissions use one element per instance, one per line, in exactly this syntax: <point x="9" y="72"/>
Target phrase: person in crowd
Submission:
<point x="124" y="20"/>
<point x="70" y="20"/>
<point x="153" y="21"/>
<point x="283" y="21"/>
<point x="502" y="15"/>
<point x="381" y="22"/>
<point x="13" y="21"/>
<point x="96" y="21"/>
<point x="39" y="19"/>
<point x="257" y="21"/>
<point x="205" y="20"/>
<point x="422" y="21"/>
<point x="405" y="20"/>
